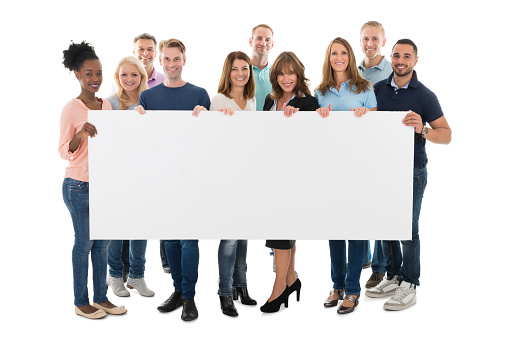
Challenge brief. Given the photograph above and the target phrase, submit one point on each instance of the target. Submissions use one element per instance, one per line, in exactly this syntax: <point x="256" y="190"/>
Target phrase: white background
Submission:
<point x="462" y="49"/>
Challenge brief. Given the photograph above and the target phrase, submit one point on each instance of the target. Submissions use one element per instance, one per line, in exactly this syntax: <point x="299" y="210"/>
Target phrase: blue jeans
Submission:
<point x="232" y="265"/>
<point x="350" y="281"/>
<point x="75" y="196"/>
<point x="406" y="263"/>
<point x="183" y="259"/>
<point x="378" y="259"/>
<point x="136" y="258"/>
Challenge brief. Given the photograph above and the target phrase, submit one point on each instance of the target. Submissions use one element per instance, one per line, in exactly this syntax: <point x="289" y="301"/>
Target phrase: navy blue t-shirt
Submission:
<point x="417" y="98"/>
<point x="185" y="98"/>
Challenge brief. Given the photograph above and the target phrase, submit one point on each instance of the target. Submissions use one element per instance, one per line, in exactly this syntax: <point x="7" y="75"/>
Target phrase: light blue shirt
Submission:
<point x="263" y="85"/>
<point x="345" y="99"/>
<point x="376" y="73"/>
<point x="115" y="103"/>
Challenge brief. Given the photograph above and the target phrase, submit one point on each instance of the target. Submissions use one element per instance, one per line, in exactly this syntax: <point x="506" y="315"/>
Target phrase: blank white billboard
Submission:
<point x="254" y="175"/>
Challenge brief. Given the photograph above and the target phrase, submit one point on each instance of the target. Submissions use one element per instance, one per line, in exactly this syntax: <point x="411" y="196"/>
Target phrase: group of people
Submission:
<point x="247" y="84"/>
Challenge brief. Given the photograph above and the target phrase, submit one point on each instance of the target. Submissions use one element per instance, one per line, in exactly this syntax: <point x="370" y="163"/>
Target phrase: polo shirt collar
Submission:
<point x="382" y="64"/>
<point x="412" y="83"/>
<point x="154" y="75"/>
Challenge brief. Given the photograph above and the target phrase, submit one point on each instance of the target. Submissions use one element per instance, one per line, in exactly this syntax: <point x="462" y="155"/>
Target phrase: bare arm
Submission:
<point x="439" y="133"/>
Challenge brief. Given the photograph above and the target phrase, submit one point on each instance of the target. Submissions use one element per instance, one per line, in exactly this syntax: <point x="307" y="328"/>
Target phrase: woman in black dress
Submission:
<point x="290" y="94"/>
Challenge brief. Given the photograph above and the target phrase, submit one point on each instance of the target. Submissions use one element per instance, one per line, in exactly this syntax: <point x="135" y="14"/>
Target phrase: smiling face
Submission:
<point x="339" y="58"/>
<point x="403" y="59"/>
<point x="261" y="41"/>
<point x="172" y="61"/>
<point x="287" y="79"/>
<point x="129" y="77"/>
<point x="144" y="50"/>
<point x="240" y="73"/>
<point x="90" y="75"/>
<point x="372" y="40"/>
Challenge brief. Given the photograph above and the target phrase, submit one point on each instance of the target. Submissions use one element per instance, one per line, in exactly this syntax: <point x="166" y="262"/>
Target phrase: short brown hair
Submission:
<point x="172" y="43"/>
<point x="225" y="80"/>
<point x="284" y="62"/>
<point x="261" y="25"/>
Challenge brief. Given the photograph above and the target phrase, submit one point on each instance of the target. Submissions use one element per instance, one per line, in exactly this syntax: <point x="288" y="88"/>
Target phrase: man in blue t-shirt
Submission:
<point x="261" y="43"/>
<point x="176" y="94"/>
<point x="374" y="67"/>
<point x="403" y="92"/>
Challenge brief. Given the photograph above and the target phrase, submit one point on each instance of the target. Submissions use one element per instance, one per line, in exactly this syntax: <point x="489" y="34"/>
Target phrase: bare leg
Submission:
<point x="282" y="259"/>
<point x="291" y="275"/>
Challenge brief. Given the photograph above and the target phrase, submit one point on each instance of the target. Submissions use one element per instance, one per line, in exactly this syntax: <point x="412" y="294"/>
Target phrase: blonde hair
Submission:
<point x="225" y="80"/>
<point x="356" y="83"/>
<point x="172" y="43"/>
<point x="143" y="85"/>
<point x="285" y="62"/>
<point x="374" y="24"/>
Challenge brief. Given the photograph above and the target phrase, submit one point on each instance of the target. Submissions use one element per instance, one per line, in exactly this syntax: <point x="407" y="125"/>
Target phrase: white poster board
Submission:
<point x="254" y="175"/>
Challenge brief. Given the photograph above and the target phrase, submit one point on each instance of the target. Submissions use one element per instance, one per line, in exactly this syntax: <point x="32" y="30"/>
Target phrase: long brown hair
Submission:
<point x="285" y="62"/>
<point x="225" y="80"/>
<point x="356" y="83"/>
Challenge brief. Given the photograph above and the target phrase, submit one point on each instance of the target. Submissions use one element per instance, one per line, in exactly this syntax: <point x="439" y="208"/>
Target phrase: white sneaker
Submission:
<point x="117" y="286"/>
<point x="405" y="296"/>
<point x="140" y="285"/>
<point x="384" y="288"/>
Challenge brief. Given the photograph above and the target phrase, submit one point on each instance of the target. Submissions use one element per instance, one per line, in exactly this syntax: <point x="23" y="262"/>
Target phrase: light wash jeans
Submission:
<point x="406" y="263"/>
<point x="75" y="196"/>
<point x="232" y="265"/>
<point x="137" y="250"/>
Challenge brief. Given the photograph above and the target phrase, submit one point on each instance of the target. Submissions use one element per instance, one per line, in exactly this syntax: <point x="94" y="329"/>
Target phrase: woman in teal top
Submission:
<point x="344" y="89"/>
<point x="130" y="80"/>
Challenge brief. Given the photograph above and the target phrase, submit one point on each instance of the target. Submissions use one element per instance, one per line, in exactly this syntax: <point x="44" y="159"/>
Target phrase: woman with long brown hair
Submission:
<point x="290" y="93"/>
<point x="343" y="89"/>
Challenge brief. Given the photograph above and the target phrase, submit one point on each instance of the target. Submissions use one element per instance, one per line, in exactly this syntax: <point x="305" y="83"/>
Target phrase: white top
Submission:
<point x="221" y="101"/>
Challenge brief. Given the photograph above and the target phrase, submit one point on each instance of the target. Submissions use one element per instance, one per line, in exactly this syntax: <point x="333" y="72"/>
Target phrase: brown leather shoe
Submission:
<point x="374" y="280"/>
<point x="332" y="303"/>
<point x="345" y="310"/>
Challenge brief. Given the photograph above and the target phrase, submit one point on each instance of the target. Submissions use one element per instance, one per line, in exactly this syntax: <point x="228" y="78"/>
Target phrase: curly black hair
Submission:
<point x="74" y="57"/>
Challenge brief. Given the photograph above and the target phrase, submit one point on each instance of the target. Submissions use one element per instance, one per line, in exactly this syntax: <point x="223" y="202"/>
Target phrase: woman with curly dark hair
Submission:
<point x="74" y="132"/>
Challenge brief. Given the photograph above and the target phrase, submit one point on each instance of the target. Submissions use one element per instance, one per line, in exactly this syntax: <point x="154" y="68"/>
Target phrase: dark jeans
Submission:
<point x="350" y="281"/>
<point x="183" y="257"/>
<point x="406" y="262"/>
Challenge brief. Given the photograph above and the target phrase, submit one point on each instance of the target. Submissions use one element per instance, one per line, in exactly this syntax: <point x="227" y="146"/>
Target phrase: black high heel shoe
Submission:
<point x="244" y="295"/>
<point x="274" y="305"/>
<point x="297" y="285"/>
<point x="351" y="298"/>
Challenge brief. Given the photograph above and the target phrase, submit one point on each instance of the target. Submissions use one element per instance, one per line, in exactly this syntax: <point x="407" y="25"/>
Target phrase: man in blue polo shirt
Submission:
<point x="261" y="43"/>
<point x="176" y="94"/>
<point x="374" y="67"/>
<point x="403" y="92"/>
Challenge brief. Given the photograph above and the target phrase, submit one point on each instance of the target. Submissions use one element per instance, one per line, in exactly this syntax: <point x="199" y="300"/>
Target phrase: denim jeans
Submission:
<point x="406" y="263"/>
<point x="164" y="260"/>
<point x="232" y="265"/>
<point x="350" y="281"/>
<point x="136" y="258"/>
<point x="378" y="259"/>
<point x="183" y="259"/>
<point x="75" y="196"/>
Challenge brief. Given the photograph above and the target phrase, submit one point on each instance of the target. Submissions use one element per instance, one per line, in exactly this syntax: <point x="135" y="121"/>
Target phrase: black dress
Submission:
<point x="306" y="103"/>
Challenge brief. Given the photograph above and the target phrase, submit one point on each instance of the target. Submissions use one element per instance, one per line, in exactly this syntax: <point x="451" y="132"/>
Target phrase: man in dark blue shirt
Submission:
<point x="176" y="94"/>
<point x="403" y="92"/>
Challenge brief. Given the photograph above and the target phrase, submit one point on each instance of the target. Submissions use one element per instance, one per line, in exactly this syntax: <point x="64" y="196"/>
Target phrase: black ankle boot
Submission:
<point x="244" y="295"/>
<point x="228" y="306"/>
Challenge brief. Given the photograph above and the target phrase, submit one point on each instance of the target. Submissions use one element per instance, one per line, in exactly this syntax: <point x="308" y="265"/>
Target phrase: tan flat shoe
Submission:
<point x="115" y="310"/>
<point x="95" y="315"/>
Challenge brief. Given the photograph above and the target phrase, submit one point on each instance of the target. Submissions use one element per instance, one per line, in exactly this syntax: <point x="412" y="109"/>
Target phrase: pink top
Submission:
<point x="74" y="115"/>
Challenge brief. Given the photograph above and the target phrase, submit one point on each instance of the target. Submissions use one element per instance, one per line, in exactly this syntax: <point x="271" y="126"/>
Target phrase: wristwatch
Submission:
<point x="425" y="130"/>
